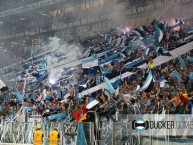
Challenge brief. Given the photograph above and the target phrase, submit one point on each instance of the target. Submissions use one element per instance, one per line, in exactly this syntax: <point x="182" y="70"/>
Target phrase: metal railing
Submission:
<point x="22" y="133"/>
<point x="102" y="132"/>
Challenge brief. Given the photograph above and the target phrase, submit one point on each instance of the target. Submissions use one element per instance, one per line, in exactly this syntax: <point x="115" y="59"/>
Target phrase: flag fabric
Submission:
<point x="107" y="59"/>
<point x="110" y="40"/>
<point x="149" y="41"/>
<point x="147" y="83"/>
<point x="182" y="63"/>
<point x="109" y="85"/>
<point x="79" y="114"/>
<point x="176" y="74"/>
<point x="164" y="52"/>
<point x="156" y="49"/>
<point x="91" y="62"/>
<point x="163" y="83"/>
<point x="76" y="114"/>
<point x="142" y="32"/>
<point x="92" y="102"/>
<point x="144" y="29"/>
<point x="90" y="70"/>
<point x="119" y="41"/>
<point x="3" y="87"/>
<point x="159" y="33"/>
<point x="117" y="92"/>
<point x="165" y="24"/>
<point x="137" y="89"/>
<point x="116" y="83"/>
<point x="81" y="139"/>
<point x="59" y="116"/>
<point x="83" y="117"/>
<point x="19" y="97"/>
<point x="103" y="70"/>
<point x="107" y="92"/>
<point x="146" y="51"/>
<point x="135" y="63"/>
<point x="136" y="32"/>
<point x="189" y="58"/>
<point x="28" y="109"/>
<point x="42" y="68"/>
<point x="191" y="76"/>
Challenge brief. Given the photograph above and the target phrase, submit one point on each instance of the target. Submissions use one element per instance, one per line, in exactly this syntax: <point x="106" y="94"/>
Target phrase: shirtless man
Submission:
<point x="175" y="102"/>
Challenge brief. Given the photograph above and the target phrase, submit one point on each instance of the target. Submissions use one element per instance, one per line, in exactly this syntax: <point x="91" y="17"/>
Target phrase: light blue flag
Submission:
<point x="191" y="76"/>
<point x="180" y="59"/>
<point x="59" y="116"/>
<point x="19" y="97"/>
<point x="176" y="74"/>
<point x="109" y="85"/>
<point x="189" y="58"/>
<point x="81" y="139"/>
<point x="28" y="109"/>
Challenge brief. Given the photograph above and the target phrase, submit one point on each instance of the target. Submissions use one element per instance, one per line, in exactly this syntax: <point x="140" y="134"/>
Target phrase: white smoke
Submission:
<point x="59" y="51"/>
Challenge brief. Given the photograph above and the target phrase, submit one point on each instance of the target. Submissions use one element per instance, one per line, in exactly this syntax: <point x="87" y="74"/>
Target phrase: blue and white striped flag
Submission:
<point x="92" y="102"/>
<point x="163" y="83"/>
<point x="159" y="33"/>
<point x="147" y="83"/>
<point x="91" y="62"/>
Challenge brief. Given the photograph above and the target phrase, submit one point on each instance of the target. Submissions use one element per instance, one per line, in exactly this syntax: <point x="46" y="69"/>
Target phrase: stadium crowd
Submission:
<point x="63" y="99"/>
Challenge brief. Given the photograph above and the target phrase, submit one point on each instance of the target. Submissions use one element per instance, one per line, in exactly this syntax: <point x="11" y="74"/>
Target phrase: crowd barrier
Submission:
<point x="13" y="144"/>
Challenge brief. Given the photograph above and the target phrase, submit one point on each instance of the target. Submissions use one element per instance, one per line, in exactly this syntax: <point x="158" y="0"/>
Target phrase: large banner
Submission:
<point x="120" y="14"/>
<point x="29" y="7"/>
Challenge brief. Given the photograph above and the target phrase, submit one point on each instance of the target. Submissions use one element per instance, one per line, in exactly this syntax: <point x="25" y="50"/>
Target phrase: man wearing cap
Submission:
<point x="54" y="137"/>
<point x="38" y="136"/>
